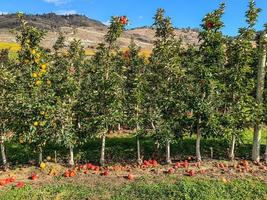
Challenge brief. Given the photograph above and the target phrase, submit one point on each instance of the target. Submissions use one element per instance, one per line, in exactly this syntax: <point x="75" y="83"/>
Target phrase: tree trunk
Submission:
<point x="71" y="161"/>
<point x="232" y="149"/>
<point x="139" y="160"/>
<point x="3" y="153"/>
<point x="198" y="154"/>
<point x="168" y="152"/>
<point x="256" y="143"/>
<point x="55" y="154"/>
<point x="259" y="94"/>
<point x="40" y="155"/>
<point x="265" y="154"/>
<point x="211" y="152"/>
<point x="102" y="157"/>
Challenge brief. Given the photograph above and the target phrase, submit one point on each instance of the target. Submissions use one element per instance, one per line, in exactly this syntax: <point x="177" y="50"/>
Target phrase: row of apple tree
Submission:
<point x="214" y="89"/>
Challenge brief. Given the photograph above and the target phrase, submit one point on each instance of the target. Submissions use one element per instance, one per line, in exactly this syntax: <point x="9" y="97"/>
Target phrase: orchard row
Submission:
<point x="60" y="96"/>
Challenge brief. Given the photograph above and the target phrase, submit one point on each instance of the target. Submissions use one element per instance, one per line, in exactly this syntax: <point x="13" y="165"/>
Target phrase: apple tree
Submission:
<point x="104" y="96"/>
<point x="66" y="79"/>
<point x="135" y="90"/>
<point x="164" y="82"/>
<point x="34" y="95"/>
<point x="203" y="66"/>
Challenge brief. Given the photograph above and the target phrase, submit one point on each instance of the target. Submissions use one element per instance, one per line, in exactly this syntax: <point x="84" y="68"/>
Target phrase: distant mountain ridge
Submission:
<point x="51" y="21"/>
<point x="89" y="31"/>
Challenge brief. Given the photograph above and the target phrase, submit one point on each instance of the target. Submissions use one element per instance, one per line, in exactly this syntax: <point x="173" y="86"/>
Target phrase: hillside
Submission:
<point x="89" y="31"/>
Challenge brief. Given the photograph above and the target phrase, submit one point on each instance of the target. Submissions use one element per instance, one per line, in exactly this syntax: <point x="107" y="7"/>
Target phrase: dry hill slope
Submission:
<point x="89" y="31"/>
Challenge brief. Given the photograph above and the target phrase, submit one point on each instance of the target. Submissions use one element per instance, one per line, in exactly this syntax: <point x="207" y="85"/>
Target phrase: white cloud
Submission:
<point x="107" y="23"/>
<point x="3" y="13"/>
<point x="66" y="12"/>
<point x="140" y="17"/>
<point x="57" y="2"/>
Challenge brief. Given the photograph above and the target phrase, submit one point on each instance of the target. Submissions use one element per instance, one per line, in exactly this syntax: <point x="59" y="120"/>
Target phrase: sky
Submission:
<point x="184" y="13"/>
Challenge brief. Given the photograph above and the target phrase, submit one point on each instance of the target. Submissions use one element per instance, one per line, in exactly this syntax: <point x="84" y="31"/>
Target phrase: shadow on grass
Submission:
<point x="123" y="150"/>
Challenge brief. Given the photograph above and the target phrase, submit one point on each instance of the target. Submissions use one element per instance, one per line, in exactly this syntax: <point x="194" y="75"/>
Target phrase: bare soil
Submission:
<point x="118" y="174"/>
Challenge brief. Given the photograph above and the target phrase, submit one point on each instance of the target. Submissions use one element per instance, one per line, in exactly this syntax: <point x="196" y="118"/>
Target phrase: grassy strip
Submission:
<point x="167" y="188"/>
<point x="195" y="189"/>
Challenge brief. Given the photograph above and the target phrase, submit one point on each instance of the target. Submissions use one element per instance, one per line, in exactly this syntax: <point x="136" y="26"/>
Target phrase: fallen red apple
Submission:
<point x="67" y="174"/>
<point x="171" y="171"/>
<point x="191" y="172"/>
<point x="72" y="173"/>
<point x="245" y="163"/>
<point x="105" y="173"/>
<point x="146" y="162"/>
<point x="33" y="177"/>
<point x="2" y="182"/>
<point x="88" y="165"/>
<point x="185" y="164"/>
<point x="130" y="176"/>
<point x="20" y="185"/>
<point x="12" y="179"/>
<point x="154" y="163"/>
<point x="177" y="165"/>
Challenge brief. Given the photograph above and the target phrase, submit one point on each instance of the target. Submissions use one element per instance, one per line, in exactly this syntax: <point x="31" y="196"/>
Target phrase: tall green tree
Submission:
<point x="7" y="83"/>
<point x="135" y="88"/>
<point x="66" y="81"/>
<point x="105" y="103"/>
<point x="206" y="64"/>
<point x="238" y="80"/>
<point x="34" y="95"/>
<point x="164" y="81"/>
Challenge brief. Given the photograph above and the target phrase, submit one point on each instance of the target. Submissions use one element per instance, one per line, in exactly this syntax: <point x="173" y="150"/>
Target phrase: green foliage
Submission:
<point x="66" y="81"/>
<point x="7" y="82"/>
<point x="203" y="68"/>
<point x="238" y="78"/>
<point x="115" y="30"/>
<point x="103" y="94"/>
<point x="135" y="88"/>
<point x="252" y="14"/>
<point x="34" y="100"/>
<point x="165" y="79"/>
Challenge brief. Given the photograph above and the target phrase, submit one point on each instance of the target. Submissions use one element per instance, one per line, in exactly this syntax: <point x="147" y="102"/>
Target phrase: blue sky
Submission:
<point x="184" y="13"/>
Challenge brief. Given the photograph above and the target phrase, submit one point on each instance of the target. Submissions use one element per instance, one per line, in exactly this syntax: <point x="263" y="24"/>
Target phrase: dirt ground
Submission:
<point x="121" y="174"/>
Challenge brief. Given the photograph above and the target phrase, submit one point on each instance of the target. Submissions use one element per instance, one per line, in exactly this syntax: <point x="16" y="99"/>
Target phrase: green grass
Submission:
<point x="247" y="136"/>
<point x="145" y="188"/>
<point x="123" y="149"/>
<point x="194" y="189"/>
